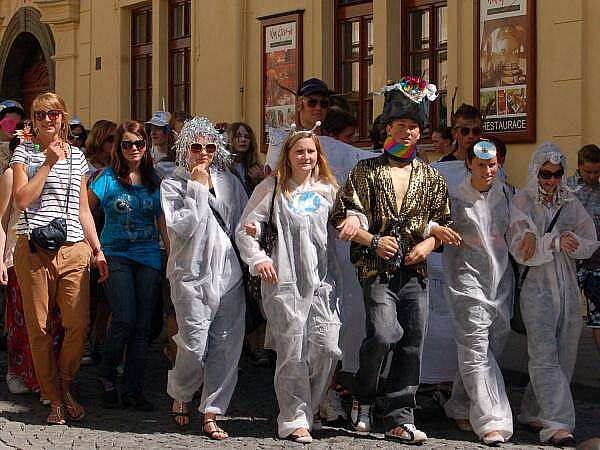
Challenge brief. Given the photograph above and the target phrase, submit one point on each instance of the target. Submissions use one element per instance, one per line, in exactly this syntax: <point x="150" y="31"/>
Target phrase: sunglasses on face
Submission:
<point x="464" y="131"/>
<point x="52" y="114"/>
<point x="547" y="174"/>
<point x="128" y="145"/>
<point x="210" y="148"/>
<point x="312" y="102"/>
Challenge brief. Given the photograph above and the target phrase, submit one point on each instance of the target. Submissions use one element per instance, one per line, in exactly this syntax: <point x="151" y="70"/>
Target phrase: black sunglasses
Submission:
<point x="128" y="145"/>
<point x="476" y="131"/>
<point x="196" y="147"/>
<point x="52" y="114"/>
<point x="547" y="174"/>
<point x="312" y="102"/>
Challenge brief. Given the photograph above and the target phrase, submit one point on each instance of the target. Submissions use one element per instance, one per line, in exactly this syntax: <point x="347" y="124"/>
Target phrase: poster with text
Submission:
<point x="280" y="75"/>
<point x="506" y="68"/>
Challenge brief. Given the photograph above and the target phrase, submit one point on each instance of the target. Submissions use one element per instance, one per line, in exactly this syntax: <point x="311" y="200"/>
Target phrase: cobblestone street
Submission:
<point x="251" y="421"/>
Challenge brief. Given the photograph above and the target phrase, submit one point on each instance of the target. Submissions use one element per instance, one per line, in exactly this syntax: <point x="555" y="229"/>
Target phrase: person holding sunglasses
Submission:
<point x="49" y="184"/>
<point x="203" y="202"/>
<point x="549" y="230"/>
<point x="128" y="194"/>
<point x="466" y="131"/>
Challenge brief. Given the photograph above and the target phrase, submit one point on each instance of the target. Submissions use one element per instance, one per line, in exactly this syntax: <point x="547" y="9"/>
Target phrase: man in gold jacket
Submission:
<point x="389" y="208"/>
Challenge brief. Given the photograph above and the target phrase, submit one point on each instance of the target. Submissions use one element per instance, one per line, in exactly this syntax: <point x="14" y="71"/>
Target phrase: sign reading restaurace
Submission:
<point x="506" y="68"/>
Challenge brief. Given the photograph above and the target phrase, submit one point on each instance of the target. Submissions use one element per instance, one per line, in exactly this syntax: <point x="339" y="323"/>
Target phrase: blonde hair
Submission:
<point x="48" y="101"/>
<point x="321" y="172"/>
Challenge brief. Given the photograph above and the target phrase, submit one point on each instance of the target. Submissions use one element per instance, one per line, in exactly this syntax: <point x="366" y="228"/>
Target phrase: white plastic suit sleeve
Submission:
<point x="187" y="217"/>
<point x="584" y="231"/>
<point x="364" y="222"/>
<point x="521" y="223"/>
<point x="257" y="212"/>
<point x="428" y="228"/>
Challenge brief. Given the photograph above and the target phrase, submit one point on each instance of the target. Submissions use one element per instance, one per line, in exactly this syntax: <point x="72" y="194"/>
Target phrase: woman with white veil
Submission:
<point x="549" y="293"/>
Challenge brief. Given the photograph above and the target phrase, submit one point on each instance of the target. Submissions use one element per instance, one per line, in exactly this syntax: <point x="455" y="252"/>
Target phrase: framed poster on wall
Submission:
<point x="281" y="70"/>
<point x="505" y="80"/>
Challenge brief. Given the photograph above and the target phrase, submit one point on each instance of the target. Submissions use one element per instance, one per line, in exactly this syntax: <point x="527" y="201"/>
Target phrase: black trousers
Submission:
<point x="396" y="315"/>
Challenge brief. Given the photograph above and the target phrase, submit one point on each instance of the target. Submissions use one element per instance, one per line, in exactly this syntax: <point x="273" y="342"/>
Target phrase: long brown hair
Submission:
<point x="250" y="158"/>
<point x="48" y="101"/>
<point x="321" y="172"/>
<point x="119" y="164"/>
<point x="99" y="133"/>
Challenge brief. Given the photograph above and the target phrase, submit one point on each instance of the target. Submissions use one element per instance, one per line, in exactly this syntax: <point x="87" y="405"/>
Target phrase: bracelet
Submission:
<point x="97" y="250"/>
<point x="374" y="244"/>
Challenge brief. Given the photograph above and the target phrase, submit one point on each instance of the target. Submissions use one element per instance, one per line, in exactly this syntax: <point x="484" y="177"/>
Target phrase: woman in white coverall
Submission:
<point x="203" y="203"/>
<point x="550" y="295"/>
<point x="299" y="290"/>
<point x="480" y="283"/>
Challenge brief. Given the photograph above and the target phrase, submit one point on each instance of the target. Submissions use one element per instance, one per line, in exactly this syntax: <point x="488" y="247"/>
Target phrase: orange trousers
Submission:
<point x="48" y="278"/>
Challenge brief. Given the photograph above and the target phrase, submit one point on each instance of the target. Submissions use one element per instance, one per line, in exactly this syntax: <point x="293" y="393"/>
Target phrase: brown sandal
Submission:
<point x="57" y="415"/>
<point x="179" y="410"/>
<point x="211" y="429"/>
<point x="74" y="410"/>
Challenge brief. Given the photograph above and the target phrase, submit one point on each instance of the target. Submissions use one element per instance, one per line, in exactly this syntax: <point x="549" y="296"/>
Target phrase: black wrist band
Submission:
<point x="374" y="244"/>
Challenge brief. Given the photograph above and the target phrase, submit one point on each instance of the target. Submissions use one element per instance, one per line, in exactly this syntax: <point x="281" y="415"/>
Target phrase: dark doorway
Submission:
<point x="26" y="71"/>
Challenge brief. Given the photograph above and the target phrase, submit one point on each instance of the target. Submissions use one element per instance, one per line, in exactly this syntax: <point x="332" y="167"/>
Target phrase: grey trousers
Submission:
<point x="396" y="317"/>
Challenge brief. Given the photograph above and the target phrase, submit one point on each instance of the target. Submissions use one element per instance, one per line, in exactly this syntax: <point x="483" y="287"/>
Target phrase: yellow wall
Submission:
<point x="226" y="59"/>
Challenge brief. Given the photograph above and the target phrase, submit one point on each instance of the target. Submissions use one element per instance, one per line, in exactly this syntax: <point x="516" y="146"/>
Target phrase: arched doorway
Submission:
<point x="26" y="67"/>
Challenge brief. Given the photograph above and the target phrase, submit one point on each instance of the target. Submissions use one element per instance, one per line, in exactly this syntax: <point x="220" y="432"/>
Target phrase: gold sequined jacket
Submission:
<point x="369" y="191"/>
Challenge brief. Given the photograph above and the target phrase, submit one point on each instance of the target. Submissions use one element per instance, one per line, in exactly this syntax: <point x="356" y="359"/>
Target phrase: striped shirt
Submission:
<point x="52" y="201"/>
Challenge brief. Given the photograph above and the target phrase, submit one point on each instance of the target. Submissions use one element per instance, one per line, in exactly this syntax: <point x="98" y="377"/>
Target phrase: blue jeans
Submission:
<point x="396" y="316"/>
<point x="132" y="290"/>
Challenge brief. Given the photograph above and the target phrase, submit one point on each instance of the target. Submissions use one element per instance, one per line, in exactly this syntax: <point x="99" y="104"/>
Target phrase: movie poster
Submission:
<point x="506" y="83"/>
<point x="280" y="75"/>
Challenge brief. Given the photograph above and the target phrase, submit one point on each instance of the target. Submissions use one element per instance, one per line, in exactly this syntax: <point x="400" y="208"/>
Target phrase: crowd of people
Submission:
<point x="316" y="262"/>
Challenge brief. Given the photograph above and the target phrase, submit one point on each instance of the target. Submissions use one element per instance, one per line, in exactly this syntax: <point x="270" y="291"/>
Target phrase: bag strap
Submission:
<point x="223" y="226"/>
<point x="68" y="192"/>
<point x="270" y="221"/>
<point x="548" y="230"/>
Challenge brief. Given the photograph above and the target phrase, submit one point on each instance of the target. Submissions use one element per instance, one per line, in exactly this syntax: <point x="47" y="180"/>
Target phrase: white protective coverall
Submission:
<point x="439" y="362"/>
<point x="550" y="295"/>
<point x="480" y="281"/>
<point x="342" y="158"/>
<point x="206" y="286"/>
<point x="302" y="307"/>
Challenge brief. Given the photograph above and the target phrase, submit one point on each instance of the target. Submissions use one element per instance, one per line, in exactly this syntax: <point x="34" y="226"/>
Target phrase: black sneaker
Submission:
<point x="137" y="401"/>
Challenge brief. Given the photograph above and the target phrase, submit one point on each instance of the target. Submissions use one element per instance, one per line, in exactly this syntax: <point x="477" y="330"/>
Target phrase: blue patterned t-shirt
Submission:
<point x="130" y="215"/>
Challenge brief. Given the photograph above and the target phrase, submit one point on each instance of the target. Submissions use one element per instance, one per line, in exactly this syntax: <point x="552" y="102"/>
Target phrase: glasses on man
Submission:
<point x="128" y="145"/>
<point x="52" y="114"/>
<point x="197" y="147"/>
<point x="547" y="174"/>
<point x="313" y="102"/>
<point x="475" y="131"/>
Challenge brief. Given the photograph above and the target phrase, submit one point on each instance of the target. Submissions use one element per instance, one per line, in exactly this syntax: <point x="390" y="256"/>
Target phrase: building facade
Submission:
<point x="114" y="59"/>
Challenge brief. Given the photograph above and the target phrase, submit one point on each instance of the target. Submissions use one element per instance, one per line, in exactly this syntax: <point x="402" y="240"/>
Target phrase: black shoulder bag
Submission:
<point x="516" y="323"/>
<point x="53" y="235"/>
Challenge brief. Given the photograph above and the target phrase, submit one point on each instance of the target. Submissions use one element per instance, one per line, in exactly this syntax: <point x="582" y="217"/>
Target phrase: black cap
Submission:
<point x="314" y="86"/>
